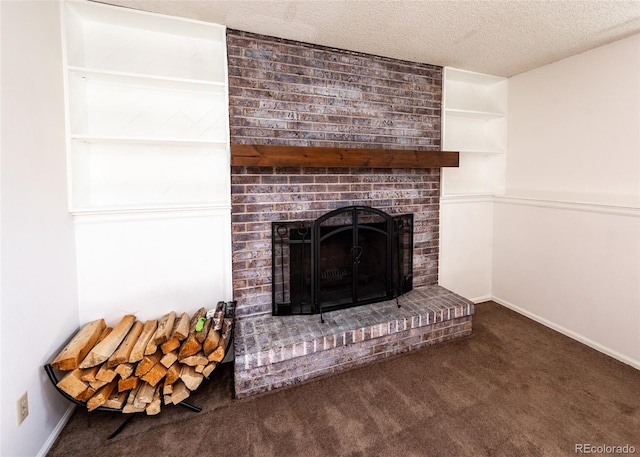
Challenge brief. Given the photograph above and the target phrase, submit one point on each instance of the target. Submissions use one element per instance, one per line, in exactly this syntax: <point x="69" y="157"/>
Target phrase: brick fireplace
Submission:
<point x="291" y="93"/>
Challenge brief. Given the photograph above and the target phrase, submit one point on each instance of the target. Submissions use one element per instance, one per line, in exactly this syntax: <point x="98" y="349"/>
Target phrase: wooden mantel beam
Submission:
<point x="254" y="155"/>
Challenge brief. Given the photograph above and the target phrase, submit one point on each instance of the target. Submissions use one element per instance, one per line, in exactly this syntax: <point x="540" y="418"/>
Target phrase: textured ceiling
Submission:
<point x="499" y="37"/>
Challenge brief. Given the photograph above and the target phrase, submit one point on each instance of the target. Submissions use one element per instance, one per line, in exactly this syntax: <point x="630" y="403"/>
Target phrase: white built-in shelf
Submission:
<point x="474" y="123"/>
<point x="124" y="40"/>
<point x="147" y="104"/>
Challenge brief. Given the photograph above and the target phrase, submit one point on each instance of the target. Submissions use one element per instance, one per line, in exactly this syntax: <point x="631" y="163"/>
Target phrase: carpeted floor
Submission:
<point x="514" y="388"/>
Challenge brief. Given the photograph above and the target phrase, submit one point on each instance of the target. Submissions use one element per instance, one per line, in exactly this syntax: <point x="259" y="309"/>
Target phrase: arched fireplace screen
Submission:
<point x="348" y="257"/>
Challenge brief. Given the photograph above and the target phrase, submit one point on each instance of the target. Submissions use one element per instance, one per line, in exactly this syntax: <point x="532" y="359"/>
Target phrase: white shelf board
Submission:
<point x="147" y="80"/>
<point x="472" y="114"/>
<point x="150" y="141"/>
<point x="471" y="77"/>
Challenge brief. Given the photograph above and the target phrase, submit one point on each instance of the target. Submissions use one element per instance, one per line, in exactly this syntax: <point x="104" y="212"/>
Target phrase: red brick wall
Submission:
<point x="284" y="92"/>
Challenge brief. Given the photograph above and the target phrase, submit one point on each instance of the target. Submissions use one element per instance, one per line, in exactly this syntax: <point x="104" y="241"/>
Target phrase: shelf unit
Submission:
<point x="147" y="110"/>
<point x="474" y="123"/>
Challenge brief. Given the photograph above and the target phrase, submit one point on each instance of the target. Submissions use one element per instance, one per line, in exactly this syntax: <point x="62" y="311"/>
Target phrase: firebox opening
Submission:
<point x="348" y="257"/>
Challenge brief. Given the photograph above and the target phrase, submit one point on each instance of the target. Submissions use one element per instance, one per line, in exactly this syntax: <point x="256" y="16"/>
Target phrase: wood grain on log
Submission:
<point x="165" y="327"/>
<point x="194" y="360"/>
<point x="72" y="383"/>
<point x="148" y="330"/>
<point x="190" y="378"/>
<point x="105" y="374"/>
<point x="125" y="370"/>
<point x="117" y="400"/>
<point x="154" y="375"/>
<point x="103" y="350"/>
<point x="211" y="341"/>
<point x="128" y="384"/>
<point x="122" y="354"/>
<point x="101" y="396"/>
<point x="79" y="346"/>
<point x="180" y="392"/>
<point x="147" y="363"/>
<point x="173" y="373"/>
<point x="168" y="359"/>
<point x="181" y="328"/>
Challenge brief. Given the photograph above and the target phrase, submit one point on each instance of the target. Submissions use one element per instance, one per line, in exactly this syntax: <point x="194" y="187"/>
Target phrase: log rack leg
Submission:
<point x="121" y="426"/>
<point x="189" y="406"/>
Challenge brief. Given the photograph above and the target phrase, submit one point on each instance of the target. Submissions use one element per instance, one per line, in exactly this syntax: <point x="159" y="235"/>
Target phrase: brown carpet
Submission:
<point x="514" y="388"/>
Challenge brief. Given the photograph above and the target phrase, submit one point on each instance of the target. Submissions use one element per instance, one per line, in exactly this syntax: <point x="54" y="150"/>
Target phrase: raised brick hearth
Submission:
<point x="278" y="351"/>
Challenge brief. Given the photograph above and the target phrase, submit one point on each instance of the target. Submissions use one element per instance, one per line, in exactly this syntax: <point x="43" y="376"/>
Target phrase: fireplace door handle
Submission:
<point x="356" y="253"/>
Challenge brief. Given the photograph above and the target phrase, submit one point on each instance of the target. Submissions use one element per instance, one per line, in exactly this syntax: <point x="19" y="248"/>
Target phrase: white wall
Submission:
<point x="39" y="291"/>
<point x="567" y="232"/>
<point x="466" y="242"/>
<point x="149" y="264"/>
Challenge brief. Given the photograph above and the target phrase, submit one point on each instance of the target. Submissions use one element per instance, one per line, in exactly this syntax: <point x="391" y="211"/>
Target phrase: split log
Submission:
<point x="200" y="368"/>
<point x="211" y="342"/>
<point x="79" y="346"/>
<point x="170" y="345"/>
<point x="72" y="383"/>
<point x="132" y="394"/>
<point x="181" y="328"/>
<point x="128" y="409"/>
<point x="101" y="396"/>
<point x="189" y="347"/>
<point x="153" y="376"/>
<point x="219" y="353"/>
<point x="190" y="378"/>
<point x="167" y="389"/>
<point x="105" y="374"/>
<point x="87" y="394"/>
<point x="154" y="407"/>
<point x="168" y="359"/>
<point x="130" y="383"/>
<point x="148" y="331"/>
<point x="209" y="369"/>
<point x="97" y="384"/>
<point x="173" y="373"/>
<point x="194" y="360"/>
<point x="179" y="333"/>
<point x="180" y="392"/>
<point x="105" y="348"/>
<point x="122" y="354"/>
<point x="165" y="327"/>
<point x="117" y="400"/>
<point x="152" y="347"/>
<point x="125" y="370"/>
<point x="89" y="374"/>
<point x="145" y="394"/>
<point x="147" y="363"/>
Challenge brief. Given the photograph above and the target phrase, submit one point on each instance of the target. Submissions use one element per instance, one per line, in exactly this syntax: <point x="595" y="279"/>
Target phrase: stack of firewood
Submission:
<point x="136" y="367"/>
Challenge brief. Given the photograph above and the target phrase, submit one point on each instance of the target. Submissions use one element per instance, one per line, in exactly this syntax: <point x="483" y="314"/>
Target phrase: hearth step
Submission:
<point x="278" y="351"/>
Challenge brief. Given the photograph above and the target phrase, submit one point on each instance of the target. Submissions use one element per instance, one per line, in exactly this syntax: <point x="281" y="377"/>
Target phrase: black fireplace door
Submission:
<point x="352" y="257"/>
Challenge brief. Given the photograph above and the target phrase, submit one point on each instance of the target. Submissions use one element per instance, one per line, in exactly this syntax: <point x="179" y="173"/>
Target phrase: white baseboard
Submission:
<point x="570" y="333"/>
<point x="477" y="300"/>
<point x="46" y="447"/>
